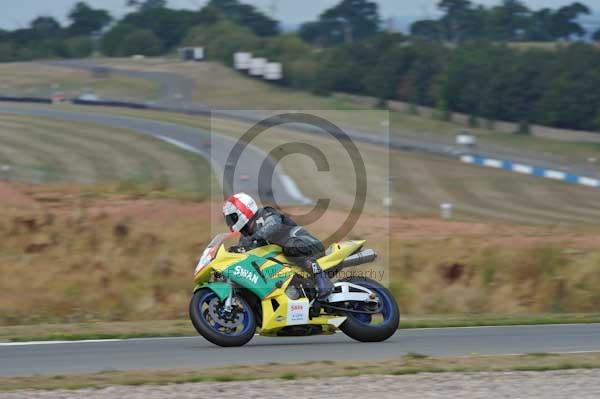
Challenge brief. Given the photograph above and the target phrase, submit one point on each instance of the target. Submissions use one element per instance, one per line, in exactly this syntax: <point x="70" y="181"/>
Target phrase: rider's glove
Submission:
<point x="237" y="249"/>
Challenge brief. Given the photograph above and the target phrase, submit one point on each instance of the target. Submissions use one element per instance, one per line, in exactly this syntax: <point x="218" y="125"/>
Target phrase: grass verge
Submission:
<point x="46" y="150"/>
<point x="409" y="364"/>
<point x="180" y="328"/>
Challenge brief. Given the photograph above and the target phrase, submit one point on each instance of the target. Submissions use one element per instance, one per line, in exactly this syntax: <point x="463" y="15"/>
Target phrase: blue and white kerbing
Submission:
<point x="531" y="170"/>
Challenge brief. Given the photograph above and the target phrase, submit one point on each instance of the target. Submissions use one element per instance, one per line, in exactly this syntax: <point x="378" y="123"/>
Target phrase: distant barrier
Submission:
<point x="531" y="170"/>
<point x="110" y="103"/>
<point x="20" y="99"/>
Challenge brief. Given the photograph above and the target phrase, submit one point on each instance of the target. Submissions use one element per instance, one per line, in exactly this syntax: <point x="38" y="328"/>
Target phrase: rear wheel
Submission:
<point x="372" y="327"/>
<point x="221" y="327"/>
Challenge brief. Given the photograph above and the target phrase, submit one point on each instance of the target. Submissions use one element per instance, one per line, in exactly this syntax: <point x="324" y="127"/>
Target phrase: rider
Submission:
<point x="262" y="226"/>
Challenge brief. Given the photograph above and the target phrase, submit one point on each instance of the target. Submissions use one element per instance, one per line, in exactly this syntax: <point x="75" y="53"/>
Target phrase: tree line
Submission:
<point x="462" y="62"/>
<point x="511" y="20"/>
<point x="151" y="28"/>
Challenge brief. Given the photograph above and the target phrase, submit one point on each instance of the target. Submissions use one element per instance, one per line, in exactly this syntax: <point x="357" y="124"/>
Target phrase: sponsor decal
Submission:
<point x="298" y="312"/>
<point x="247" y="274"/>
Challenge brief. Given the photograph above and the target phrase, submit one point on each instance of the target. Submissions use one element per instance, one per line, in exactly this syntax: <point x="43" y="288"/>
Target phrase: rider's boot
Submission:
<point x="322" y="282"/>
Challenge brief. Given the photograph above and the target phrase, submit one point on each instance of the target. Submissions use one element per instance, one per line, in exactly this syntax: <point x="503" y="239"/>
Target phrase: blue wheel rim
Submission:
<point x="216" y="327"/>
<point x="386" y="308"/>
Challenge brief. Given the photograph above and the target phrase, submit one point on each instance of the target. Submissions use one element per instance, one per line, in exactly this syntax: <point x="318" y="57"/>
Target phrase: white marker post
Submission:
<point x="446" y="210"/>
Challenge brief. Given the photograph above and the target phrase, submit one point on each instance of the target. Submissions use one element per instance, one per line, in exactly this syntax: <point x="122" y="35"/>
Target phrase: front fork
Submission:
<point x="229" y="301"/>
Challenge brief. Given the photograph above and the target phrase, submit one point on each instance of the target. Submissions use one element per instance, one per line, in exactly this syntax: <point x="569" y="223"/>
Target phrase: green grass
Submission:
<point x="288" y="376"/>
<point x="406" y="365"/>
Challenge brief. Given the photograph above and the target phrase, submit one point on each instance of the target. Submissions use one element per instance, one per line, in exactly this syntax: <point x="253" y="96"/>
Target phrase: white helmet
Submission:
<point x="238" y="210"/>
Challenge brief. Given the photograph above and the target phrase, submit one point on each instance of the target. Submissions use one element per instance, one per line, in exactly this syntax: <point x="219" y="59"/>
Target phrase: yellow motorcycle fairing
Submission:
<point x="266" y="273"/>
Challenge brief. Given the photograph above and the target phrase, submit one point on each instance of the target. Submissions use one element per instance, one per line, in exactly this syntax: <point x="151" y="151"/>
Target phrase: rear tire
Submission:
<point x="361" y="331"/>
<point x="214" y="335"/>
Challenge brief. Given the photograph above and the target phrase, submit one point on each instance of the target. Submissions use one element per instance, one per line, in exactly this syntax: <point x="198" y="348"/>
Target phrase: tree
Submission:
<point x="455" y="20"/>
<point x="348" y="21"/>
<point x="539" y="27"/>
<point x="86" y="20"/>
<point x="170" y="26"/>
<point x="358" y="19"/>
<point x="427" y="29"/>
<point x="246" y="15"/>
<point x="223" y="39"/>
<point x="384" y="80"/>
<point x="564" y="23"/>
<point x="208" y="16"/>
<point x="124" y="40"/>
<point x="112" y="40"/>
<point x="75" y="47"/>
<point x="315" y="32"/>
<point x="45" y="26"/>
<point x="509" y="20"/>
<point x="344" y="68"/>
<point x="8" y="52"/>
<point x="146" y="5"/>
<point x="141" y="41"/>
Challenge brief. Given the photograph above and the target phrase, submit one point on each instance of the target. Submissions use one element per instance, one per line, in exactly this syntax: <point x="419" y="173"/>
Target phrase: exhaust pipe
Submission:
<point x="359" y="258"/>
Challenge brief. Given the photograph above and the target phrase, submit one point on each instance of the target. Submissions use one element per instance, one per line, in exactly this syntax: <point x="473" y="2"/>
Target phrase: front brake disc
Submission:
<point x="216" y="311"/>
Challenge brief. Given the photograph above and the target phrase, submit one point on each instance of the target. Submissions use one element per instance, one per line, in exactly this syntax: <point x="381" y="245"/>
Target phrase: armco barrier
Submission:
<point x="531" y="170"/>
<point x="110" y="103"/>
<point x="18" y="99"/>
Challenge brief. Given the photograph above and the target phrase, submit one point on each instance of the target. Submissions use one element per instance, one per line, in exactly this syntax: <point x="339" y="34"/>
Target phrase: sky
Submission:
<point x="17" y="14"/>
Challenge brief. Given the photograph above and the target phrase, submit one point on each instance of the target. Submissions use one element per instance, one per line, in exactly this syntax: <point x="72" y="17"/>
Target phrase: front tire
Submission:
<point x="206" y="314"/>
<point x="360" y="327"/>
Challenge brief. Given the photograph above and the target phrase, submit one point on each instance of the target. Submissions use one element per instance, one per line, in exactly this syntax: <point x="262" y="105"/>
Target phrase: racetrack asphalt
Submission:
<point x="191" y="352"/>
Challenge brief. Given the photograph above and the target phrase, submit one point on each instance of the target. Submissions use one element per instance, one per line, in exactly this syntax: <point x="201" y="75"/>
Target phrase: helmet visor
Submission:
<point x="231" y="219"/>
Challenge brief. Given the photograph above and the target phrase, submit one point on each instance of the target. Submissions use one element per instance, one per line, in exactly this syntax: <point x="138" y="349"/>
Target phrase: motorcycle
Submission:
<point x="239" y="293"/>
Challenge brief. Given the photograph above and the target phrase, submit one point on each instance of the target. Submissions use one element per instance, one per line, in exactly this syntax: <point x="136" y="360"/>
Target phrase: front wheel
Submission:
<point x="372" y="327"/>
<point x="221" y="327"/>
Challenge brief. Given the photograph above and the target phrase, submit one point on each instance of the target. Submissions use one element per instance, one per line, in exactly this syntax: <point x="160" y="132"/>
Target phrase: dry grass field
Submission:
<point x="33" y="79"/>
<point x="44" y="150"/>
<point x="67" y="256"/>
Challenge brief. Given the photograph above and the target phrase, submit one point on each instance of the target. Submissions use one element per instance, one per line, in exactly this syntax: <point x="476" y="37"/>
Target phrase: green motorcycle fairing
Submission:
<point x="248" y="274"/>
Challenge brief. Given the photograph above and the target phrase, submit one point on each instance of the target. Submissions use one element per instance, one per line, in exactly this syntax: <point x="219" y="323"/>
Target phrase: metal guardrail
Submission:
<point x="110" y="103"/>
<point x="21" y="99"/>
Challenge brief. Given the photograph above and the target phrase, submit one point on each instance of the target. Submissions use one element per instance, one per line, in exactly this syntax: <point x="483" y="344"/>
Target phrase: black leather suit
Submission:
<point x="268" y="226"/>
